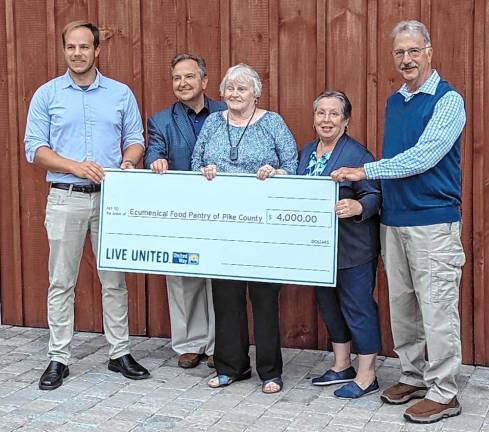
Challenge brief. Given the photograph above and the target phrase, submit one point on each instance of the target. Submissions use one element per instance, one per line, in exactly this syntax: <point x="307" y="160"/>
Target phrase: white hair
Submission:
<point x="412" y="26"/>
<point x="242" y="72"/>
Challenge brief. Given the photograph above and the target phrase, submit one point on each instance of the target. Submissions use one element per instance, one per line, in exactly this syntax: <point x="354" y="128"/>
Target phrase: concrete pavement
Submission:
<point x="95" y="399"/>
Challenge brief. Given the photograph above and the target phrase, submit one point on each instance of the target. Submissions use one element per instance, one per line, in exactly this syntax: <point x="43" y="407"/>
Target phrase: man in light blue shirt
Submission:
<point x="78" y="124"/>
<point x="420" y="231"/>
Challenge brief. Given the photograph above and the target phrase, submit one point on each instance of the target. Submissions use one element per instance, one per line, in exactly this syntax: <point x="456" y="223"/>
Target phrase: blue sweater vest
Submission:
<point x="428" y="198"/>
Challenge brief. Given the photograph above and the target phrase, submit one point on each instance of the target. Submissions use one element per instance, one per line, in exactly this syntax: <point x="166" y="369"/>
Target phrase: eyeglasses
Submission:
<point x="412" y="52"/>
<point x="321" y="114"/>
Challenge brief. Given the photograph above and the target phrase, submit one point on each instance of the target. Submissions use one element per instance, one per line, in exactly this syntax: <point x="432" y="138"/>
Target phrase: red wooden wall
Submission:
<point x="299" y="47"/>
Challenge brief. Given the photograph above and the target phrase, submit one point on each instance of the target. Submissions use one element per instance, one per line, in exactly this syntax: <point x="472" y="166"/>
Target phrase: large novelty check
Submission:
<point x="282" y="229"/>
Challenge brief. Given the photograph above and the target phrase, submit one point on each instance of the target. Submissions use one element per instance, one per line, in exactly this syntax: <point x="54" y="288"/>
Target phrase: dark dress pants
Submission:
<point x="232" y="341"/>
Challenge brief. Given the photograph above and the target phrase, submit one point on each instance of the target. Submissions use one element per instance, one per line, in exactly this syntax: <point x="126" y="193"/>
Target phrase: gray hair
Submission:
<point x="412" y="26"/>
<point x="242" y="72"/>
<point x="340" y="96"/>
<point x="196" y="58"/>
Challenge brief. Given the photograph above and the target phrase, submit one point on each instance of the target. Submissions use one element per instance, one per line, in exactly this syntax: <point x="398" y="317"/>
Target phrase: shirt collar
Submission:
<point x="189" y="110"/>
<point x="99" y="81"/>
<point x="428" y="87"/>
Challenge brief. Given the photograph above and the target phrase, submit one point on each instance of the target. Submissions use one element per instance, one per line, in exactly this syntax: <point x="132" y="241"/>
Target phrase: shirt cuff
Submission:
<point x="133" y="142"/>
<point x="372" y="170"/>
<point x="30" y="154"/>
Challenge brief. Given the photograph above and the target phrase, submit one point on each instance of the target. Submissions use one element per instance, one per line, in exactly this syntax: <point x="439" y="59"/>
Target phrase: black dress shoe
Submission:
<point x="128" y="367"/>
<point x="52" y="378"/>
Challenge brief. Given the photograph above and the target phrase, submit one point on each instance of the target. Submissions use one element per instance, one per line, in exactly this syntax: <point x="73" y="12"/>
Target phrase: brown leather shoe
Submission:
<point x="210" y="362"/>
<point x="189" y="360"/>
<point x="401" y="393"/>
<point x="428" y="411"/>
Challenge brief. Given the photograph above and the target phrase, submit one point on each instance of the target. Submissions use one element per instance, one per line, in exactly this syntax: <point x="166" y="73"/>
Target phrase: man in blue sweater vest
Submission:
<point x="420" y="230"/>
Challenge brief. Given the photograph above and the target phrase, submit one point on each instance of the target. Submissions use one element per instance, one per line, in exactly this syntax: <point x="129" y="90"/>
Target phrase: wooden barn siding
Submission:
<point x="299" y="47"/>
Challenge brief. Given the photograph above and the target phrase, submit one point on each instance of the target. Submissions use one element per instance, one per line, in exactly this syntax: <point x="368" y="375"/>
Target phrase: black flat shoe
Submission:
<point x="52" y="378"/>
<point x="128" y="367"/>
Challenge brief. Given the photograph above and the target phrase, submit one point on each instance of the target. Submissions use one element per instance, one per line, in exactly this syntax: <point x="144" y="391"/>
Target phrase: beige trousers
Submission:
<point x="423" y="267"/>
<point x="69" y="216"/>
<point x="191" y="315"/>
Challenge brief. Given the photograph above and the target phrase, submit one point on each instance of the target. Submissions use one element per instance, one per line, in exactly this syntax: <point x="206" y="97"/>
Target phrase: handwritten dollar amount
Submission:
<point x="298" y="217"/>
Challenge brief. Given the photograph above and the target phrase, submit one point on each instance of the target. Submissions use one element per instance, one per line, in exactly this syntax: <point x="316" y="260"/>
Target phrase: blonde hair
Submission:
<point x="80" y="23"/>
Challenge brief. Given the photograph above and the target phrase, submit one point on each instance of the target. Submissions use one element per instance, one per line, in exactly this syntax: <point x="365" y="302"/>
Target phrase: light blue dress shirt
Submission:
<point x="97" y="124"/>
<point x="435" y="142"/>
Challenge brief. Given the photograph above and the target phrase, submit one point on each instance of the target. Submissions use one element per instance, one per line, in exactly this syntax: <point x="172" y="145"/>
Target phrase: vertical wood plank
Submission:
<point x="484" y="317"/>
<point x="480" y="181"/>
<point x="321" y="70"/>
<point x="33" y="187"/>
<point x="372" y="103"/>
<point x="374" y="144"/>
<point x="225" y="34"/>
<point x="347" y="29"/>
<point x="51" y="37"/>
<point x="425" y="12"/>
<point x="274" y="71"/>
<point x="203" y="39"/>
<point x="137" y="282"/>
<point x="297" y="90"/>
<point x="321" y="54"/>
<point x="182" y="24"/>
<point x="250" y="39"/>
<point x="452" y="37"/>
<point x="11" y="255"/>
<point x="120" y="58"/>
<point x="297" y="85"/>
<point x="159" y="46"/>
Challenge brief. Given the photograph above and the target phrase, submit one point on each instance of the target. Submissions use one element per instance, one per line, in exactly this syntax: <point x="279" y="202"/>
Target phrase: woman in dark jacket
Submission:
<point x="348" y="310"/>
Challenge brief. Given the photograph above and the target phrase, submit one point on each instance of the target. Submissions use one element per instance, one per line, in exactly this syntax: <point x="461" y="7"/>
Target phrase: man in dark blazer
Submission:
<point x="172" y="136"/>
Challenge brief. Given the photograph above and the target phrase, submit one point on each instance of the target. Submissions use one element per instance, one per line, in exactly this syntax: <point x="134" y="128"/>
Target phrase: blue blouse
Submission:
<point x="316" y="167"/>
<point x="267" y="141"/>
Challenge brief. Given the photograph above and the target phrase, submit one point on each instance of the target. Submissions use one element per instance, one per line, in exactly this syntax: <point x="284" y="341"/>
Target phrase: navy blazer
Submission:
<point x="358" y="237"/>
<point x="171" y="136"/>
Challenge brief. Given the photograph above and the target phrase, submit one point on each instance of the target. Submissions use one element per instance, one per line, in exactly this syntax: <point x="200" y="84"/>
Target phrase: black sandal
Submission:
<point x="278" y="381"/>
<point x="225" y="380"/>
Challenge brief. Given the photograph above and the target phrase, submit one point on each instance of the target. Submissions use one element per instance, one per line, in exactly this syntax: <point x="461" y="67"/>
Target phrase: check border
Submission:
<point x="329" y="282"/>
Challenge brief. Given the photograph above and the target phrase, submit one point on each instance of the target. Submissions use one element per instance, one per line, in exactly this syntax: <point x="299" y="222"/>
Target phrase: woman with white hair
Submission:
<point x="245" y="139"/>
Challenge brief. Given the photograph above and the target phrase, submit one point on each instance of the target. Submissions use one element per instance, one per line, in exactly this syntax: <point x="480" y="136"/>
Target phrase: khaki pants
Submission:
<point x="423" y="267"/>
<point x="69" y="216"/>
<point x="191" y="315"/>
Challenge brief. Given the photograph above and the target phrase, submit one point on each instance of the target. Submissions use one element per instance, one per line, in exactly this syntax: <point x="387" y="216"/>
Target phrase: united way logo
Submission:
<point x="185" y="258"/>
<point x="193" y="258"/>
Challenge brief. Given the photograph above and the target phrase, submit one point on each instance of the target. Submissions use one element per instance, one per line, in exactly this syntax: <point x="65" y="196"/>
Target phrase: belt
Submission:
<point x="91" y="188"/>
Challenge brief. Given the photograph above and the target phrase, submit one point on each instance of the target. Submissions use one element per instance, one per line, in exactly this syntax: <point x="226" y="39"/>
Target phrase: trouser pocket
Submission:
<point x="446" y="270"/>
